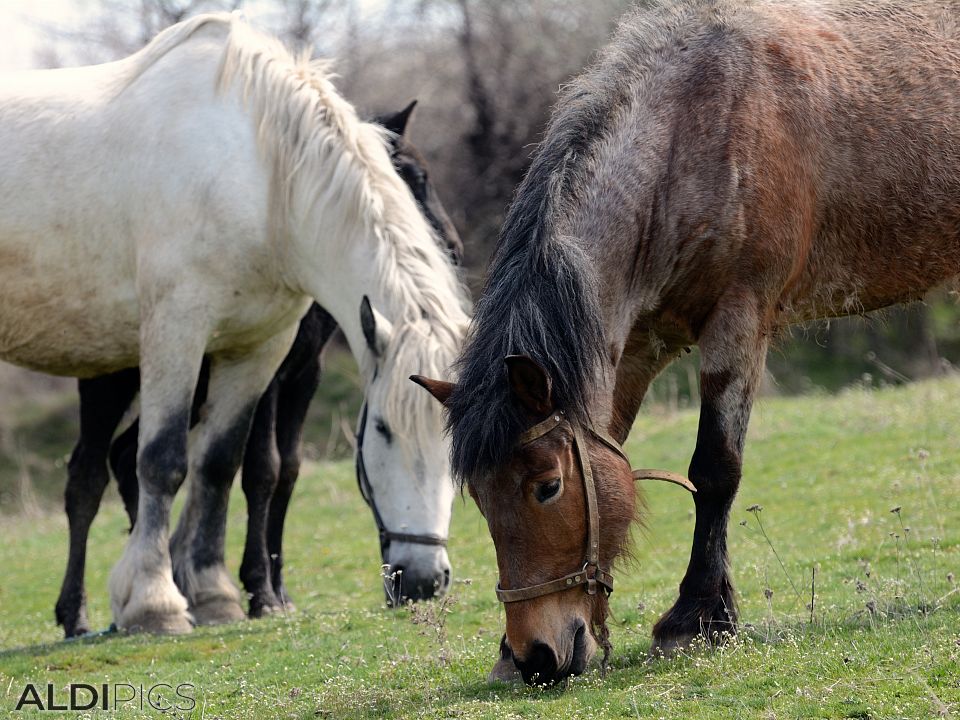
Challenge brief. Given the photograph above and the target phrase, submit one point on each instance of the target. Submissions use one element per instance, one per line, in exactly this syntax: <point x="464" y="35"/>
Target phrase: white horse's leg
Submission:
<point x="197" y="546"/>
<point x="143" y="595"/>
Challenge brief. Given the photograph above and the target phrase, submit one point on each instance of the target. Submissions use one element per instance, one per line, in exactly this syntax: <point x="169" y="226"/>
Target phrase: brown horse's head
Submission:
<point x="536" y="508"/>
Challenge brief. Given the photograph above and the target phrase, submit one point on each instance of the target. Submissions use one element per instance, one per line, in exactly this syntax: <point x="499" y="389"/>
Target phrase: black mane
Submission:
<point x="540" y="299"/>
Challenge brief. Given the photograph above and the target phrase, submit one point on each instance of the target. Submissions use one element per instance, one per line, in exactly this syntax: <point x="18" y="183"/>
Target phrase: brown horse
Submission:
<point x="723" y="169"/>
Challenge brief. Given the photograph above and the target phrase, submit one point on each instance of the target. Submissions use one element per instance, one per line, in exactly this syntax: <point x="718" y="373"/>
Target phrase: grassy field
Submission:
<point x="882" y="640"/>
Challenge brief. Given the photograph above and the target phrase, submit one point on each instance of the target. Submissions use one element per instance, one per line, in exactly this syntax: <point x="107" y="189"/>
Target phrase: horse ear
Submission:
<point x="440" y="389"/>
<point x="376" y="328"/>
<point x="397" y="122"/>
<point x="530" y="383"/>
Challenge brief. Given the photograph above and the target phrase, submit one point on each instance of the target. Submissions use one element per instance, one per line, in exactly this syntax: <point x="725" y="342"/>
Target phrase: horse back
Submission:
<point x="809" y="151"/>
<point x="866" y="98"/>
<point x="116" y="180"/>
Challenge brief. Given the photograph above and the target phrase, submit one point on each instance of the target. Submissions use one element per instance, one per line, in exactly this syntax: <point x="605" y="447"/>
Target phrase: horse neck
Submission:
<point x="620" y="307"/>
<point x="340" y="269"/>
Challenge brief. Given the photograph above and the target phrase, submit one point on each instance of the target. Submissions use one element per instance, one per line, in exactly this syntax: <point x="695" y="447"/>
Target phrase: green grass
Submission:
<point x="884" y="640"/>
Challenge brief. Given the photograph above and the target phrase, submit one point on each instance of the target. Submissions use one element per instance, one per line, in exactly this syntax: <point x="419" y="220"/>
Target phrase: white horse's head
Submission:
<point x="402" y="463"/>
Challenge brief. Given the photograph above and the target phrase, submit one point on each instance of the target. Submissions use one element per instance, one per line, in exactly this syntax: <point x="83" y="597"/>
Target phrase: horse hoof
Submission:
<point x="156" y="623"/>
<point x="74" y="628"/>
<point x="147" y="601"/>
<point x="260" y="610"/>
<point x="217" y="611"/>
<point x="75" y="632"/>
<point x="265" y="602"/>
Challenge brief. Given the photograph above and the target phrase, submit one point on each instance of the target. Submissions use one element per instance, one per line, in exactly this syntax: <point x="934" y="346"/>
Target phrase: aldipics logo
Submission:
<point x="162" y="697"/>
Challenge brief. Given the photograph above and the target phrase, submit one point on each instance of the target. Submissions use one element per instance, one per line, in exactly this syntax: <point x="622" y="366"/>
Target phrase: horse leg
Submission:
<point x="733" y="346"/>
<point x="142" y="592"/>
<point x="123" y="463"/>
<point x="103" y="402"/>
<point x="197" y="546"/>
<point x="123" y="451"/>
<point x="296" y="393"/>
<point x="261" y="467"/>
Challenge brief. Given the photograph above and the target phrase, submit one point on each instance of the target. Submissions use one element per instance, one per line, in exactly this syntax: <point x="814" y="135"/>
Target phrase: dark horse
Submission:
<point x="723" y="169"/>
<point x="271" y="462"/>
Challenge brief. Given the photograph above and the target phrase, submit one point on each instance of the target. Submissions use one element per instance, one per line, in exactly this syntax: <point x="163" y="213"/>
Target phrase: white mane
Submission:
<point x="324" y="160"/>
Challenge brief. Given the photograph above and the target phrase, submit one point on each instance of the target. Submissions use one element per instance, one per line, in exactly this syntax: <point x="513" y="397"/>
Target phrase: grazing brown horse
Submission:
<point x="724" y="169"/>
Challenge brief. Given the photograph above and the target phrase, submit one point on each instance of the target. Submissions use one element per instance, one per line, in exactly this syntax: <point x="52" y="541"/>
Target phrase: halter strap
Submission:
<point x="366" y="492"/>
<point x="666" y="476"/>
<point x="541" y="428"/>
<point x="566" y="582"/>
<point x="590" y="492"/>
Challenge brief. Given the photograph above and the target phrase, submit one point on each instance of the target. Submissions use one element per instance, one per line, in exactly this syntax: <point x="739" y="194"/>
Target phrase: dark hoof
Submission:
<point x="74" y="624"/>
<point x="260" y="609"/>
<point x="714" y="619"/>
<point x="71" y="613"/>
<point x="264" y="603"/>
<point x="75" y="631"/>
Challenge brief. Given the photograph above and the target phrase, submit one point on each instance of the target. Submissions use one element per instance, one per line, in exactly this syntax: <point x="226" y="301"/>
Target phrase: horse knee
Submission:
<point x="289" y="469"/>
<point x="86" y="481"/>
<point x="261" y="472"/>
<point x="162" y="466"/>
<point x="717" y="462"/>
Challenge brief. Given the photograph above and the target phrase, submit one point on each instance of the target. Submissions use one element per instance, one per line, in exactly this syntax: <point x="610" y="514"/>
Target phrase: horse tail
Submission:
<point x="168" y="40"/>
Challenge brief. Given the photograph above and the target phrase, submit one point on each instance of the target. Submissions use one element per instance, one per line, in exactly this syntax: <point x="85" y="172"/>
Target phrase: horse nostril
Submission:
<point x="446" y="579"/>
<point x="540" y="665"/>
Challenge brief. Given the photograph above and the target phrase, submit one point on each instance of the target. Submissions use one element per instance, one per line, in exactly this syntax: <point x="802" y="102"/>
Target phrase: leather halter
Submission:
<point x="591" y="574"/>
<point x="366" y="491"/>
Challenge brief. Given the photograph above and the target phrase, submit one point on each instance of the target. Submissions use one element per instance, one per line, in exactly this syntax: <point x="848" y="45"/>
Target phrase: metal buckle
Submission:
<point x="591" y="577"/>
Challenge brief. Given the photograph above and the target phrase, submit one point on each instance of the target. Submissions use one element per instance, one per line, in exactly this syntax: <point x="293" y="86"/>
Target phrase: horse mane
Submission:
<point x="328" y="167"/>
<point x="541" y="299"/>
<point x="332" y="175"/>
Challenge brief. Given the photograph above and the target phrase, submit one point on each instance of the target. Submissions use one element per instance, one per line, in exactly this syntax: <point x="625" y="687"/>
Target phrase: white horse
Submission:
<point x="192" y="199"/>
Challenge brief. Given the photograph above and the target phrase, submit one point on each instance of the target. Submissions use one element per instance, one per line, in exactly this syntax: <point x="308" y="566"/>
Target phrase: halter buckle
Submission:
<point x="591" y="576"/>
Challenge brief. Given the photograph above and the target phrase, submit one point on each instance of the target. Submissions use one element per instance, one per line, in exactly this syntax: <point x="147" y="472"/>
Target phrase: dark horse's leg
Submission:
<point x="297" y="384"/>
<point x="123" y="463"/>
<point x="103" y="402"/>
<point x="272" y="460"/>
<point x="296" y="392"/>
<point x="261" y="466"/>
<point x="733" y="345"/>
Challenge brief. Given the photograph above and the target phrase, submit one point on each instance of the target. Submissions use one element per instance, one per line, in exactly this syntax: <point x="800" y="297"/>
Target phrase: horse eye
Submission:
<point x="547" y="490"/>
<point x="381" y="427"/>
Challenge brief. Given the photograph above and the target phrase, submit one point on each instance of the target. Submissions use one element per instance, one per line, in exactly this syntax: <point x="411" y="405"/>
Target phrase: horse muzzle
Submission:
<point x="542" y="665"/>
